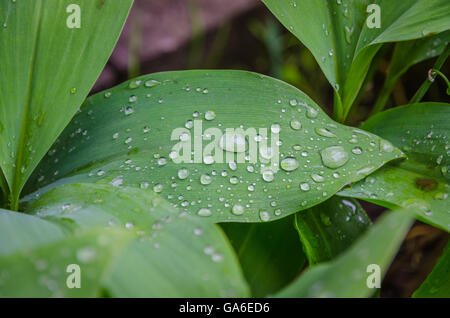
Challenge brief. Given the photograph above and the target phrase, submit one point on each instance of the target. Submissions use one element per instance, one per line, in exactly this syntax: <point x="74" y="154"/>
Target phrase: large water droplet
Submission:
<point x="233" y="142"/>
<point x="289" y="164"/>
<point x="334" y="157"/>
<point x="237" y="209"/>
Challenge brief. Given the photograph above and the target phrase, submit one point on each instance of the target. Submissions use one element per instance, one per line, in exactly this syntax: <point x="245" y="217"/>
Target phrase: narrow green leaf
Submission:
<point x="270" y="253"/>
<point x="48" y="68"/>
<point x="344" y="35"/>
<point x="129" y="136"/>
<point x="348" y="275"/>
<point x="437" y="284"/>
<point x="46" y="271"/>
<point x="171" y="255"/>
<point x="328" y="229"/>
<point x="422" y="132"/>
<point x="19" y="232"/>
<point x="406" y="54"/>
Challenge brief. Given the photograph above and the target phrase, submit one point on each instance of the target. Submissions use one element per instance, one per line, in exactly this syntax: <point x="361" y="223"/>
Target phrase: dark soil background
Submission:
<point x="165" y="35"/>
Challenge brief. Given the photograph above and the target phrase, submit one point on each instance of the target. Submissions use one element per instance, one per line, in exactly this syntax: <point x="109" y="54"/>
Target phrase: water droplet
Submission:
<point x="357" y="151"/>
<point x="311" y="112"/>
<point x="205" y="179"/>
<point x="210" y="115"/>
<point x="305" y="186"/>
<point x="237" y="209"/>
<point x="204" y="212"/>
<point x="268" y="175"/>
<point x="289" y="164"/>
<point x="295" y="124"/>
<point x="317" y="178"/>
<point x="275" y="128"/>
<point x="325" y="132"/>
<point x="264" y="216"/>
<point x="386" y="146"/>
<point x="152" y="83"/>
<point x="162" y="161"/>
<point x="334" y="157"/>
<point x="234" y="180"/>
<point x="233" y="142"/>
<point x="158" y="188"/>
<point x="232" y="165"/>
<point x="208" y="160"/>
<point x="134" y="84"/>
<point x="183" y="173"/>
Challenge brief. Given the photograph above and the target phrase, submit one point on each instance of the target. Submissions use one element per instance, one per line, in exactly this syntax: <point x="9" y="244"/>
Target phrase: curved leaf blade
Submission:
<point x="328" y="229"/>
<point x="347" y="275"/>
<point x="343" y="43"/>
<point x="422" y="131"/>
<point x="39" y="89"/>
<point x="437" y="284"/>
<point x="129" y="137"/>
<point x="171" y="254"/>
<point x="19" y="232"/>
<point x="45" y="270"/>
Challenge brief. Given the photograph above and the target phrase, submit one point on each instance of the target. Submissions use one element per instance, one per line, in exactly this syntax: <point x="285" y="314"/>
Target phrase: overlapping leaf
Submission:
<point x="422" y="132"/>
<point x="354" y="272"/>
<point x="343" y="35"/>
<point x="437" y="284"/>
<point x="328" y="229"/>
<point x="126" y="136"/>
<point x="47" y="70"/>
<point x="170" y="254"/>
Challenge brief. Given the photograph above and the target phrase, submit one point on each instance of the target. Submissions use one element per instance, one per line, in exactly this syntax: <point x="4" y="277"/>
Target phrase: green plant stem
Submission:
<point x="338" y="112"/>
<point x="426" y="85"/>
<point x="4" y="189"/>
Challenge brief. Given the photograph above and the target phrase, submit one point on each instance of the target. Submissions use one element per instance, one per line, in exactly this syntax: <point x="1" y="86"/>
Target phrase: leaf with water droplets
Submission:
<point x="348" y="274"/>
<point x="328" y="229"/>
<point x="344" y="36"/>
<point x="47" y="71"/>
<point x="50" y="269"/>
<point x="247" y="159"/>
<point x="193" y="256"/>
<point x="423" y="180"/>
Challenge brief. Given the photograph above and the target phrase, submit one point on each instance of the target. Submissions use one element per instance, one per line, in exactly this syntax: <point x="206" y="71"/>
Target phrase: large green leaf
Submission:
<point x="343" y="43"/>
<point x="423" y="180"/>
<point x="270" y="253"/>
<point x="125" y="136"/>
<point x="47" y="71"/>
<point x="347" y="275"/>
<point x="45" y="270"/>
<point x="406" y="54"/>
<point x="328" y="229"/>
<point x="172" y="254"/>
<point x="437" y="284"/>
<point x="19" y="232"/>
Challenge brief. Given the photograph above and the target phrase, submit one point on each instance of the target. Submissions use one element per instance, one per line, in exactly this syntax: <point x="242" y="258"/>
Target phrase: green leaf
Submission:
<point x="343" y="43"/>
<point x="423" y="180"/>
<point x="328" y="229"/>
<point x="437" y="284"/>
<point x="406" y="54"/>
<point x="125" y="136"/>
<point x="348" y="274"/>
<point x="47" y="72"/>
<point x="19" y="232"/>
<point x="270" y="253"/>
<point x="172" y="254"/>
<point x="44" y="271"/>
